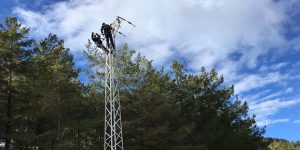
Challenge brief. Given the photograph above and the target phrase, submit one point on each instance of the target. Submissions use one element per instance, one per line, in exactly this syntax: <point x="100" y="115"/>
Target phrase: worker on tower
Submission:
<point x="106" y="31"/>
<point x="97" y="40"/>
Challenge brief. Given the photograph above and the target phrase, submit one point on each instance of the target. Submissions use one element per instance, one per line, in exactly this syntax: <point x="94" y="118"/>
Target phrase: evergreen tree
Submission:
<point x="283" y="145"/>
<point x="177" y="110"/>
<point x="44" y="106"/>
<point x="212" y="118"/>
<point x="56" y="91"/>
<point x="14" y="58"/>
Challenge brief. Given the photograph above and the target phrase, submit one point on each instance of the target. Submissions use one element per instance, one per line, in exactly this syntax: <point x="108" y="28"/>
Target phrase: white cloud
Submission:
<point x="271" y="96"/>
<point x="155" y="52"/>
<point x="256" y="81"/>
<point x="296" y="121"/>
<point x="264" y="110"/>
<point x="254" y="97"/>
<point x="273" y="67"/>
<point x="289" y="90"/>
<point x="203" y="32"/>
<point x="269" y="122"/>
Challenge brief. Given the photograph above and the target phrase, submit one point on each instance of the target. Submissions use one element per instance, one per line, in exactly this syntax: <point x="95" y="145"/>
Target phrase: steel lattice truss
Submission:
<point x="113" y="138"/>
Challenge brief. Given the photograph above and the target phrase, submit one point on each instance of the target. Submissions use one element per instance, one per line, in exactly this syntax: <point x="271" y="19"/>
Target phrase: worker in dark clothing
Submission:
<point x="106" y="31"/>
<point x="97" y="40"/>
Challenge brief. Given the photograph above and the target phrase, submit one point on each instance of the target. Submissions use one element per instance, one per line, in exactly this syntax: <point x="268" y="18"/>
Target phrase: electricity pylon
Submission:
<point x="113" y="137"/>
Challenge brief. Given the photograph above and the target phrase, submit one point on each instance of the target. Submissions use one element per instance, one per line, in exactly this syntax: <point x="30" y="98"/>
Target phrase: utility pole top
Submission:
<point x="113" y="136"/>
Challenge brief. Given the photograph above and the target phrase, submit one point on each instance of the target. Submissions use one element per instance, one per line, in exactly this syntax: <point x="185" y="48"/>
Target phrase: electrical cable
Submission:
<point x="134" y="26"/>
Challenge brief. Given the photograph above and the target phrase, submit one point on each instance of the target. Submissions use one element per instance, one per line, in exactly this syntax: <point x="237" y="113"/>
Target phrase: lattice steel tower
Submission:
<point x="113" y="137"/>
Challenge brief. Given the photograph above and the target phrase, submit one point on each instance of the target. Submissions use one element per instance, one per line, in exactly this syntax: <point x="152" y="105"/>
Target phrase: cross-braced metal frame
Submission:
<point x="113" y="137"/>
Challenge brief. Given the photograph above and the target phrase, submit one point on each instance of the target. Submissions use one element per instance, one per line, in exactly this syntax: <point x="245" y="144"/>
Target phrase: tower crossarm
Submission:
<point x="116" y="25"/>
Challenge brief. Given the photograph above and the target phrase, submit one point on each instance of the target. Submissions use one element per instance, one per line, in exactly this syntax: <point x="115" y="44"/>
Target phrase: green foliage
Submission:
<point x="14" y="60"/>
<point x="56" y="92"/>
<point x="283" y="145"/>
<point x="49" y="108"/>
<point x="177" y="110"/>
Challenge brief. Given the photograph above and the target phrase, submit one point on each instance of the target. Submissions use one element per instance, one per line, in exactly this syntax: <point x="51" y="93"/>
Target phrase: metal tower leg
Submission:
<point x="113" y="137"/>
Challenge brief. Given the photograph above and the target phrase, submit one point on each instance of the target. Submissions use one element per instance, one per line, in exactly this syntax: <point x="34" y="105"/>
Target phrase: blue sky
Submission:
<point x="255" y="44"/>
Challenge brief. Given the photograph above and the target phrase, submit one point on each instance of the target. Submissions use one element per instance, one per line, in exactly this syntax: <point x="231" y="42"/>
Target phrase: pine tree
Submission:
<point x="44" y="106"/>
<point x="214" y="119"/>
<point x="56" y="91"/>
<point x="177" y="110"/>
<point x="14" y="57"/>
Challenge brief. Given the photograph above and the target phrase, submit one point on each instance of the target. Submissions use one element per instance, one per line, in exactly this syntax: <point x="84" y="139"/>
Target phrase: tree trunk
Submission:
<point x="8" y="114"/>
<point x="78" y="138"/>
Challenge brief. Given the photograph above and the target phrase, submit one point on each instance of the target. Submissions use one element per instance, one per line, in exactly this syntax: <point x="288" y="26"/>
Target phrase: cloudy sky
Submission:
<point x="255" y="44"/>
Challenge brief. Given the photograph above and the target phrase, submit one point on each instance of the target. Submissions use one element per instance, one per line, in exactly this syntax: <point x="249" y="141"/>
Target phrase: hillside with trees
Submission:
<point x="281" y="144"/>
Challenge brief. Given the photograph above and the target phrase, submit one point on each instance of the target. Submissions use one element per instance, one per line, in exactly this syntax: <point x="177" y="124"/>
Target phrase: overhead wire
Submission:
<point x="154" y="36"/>
<point x="134" y="26"/>
<point x="147" y="32"/>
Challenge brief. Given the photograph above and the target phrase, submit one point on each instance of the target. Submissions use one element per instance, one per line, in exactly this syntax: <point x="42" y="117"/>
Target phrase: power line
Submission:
<point x="149" y="33"/>
<point x="135" y="26"/>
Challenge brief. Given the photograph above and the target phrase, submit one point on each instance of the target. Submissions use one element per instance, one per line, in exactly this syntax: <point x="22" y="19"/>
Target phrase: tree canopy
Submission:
<point x="43" y="105"/>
